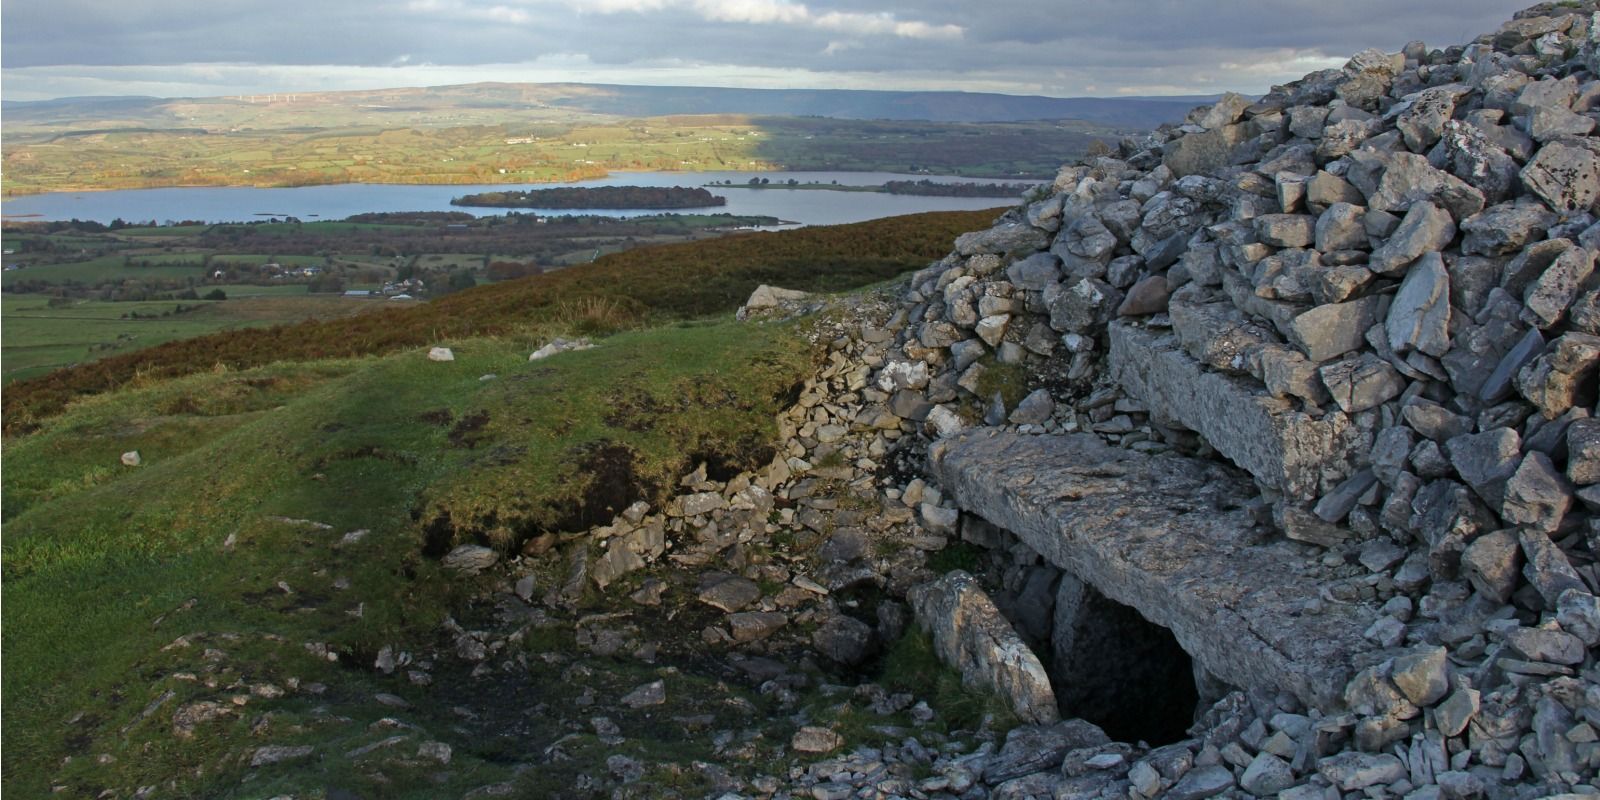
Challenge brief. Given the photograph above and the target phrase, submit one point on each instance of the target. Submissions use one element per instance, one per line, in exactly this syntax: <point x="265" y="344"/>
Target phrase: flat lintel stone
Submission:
<point x="1285" y="449"/>
<point x="1169" y="537"/>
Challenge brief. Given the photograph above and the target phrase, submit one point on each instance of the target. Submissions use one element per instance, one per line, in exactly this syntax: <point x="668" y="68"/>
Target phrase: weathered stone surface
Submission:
<point x="729" y="593"/>
<point x="1583" y="451"/>
<point x="646" y="695"/>
<point x="1490" y="564"/>
<point x="1142" y="531"/>
<point x="277" y="754"/>
<point x="1422" y="676"/>
<point x="844" y="639"/>
<point x="1035" y="272"/>
<point x="1342" y="227"/>
<point x="1578" y="613"/>
<point x="1333" y="329"/>
<point x="1361" y="382"/>
<point x="1537" y="644"/>
<point x="970" y="635"/>
<point x="1435" y="421"/>
<point x="1283" y="448"/>
<point x="618" y="561"/>
<point x="1478" y="155"/>
<point x="1536" y="496"/>
<point x="1202" y="782"/>
<point x="764" y="298"/>
<point x="1565" y="175"/>
<point x="1422" y="122"/>
<point x="1486" y="461"/>
<point x="1034" y="409"/>
<point x="1202" y="153"/>
<point x="1554" y="381"/>
<point x="1355" y="771"/>
<point x="748" y="626"/>
<point x="1267" y="775"/>
<point x="813" y="739"/>
<point x="1148" y="296"/>
<point x="1286" y="230"/>
<point x="1548" y="295"/>
<point x="1426" y="228"/>
<point x="1419" y="317"/>
<point x="470" y="559"/>
<point x="1506" y="228"/>
<point x="440" y="354"/>
<point x="1081" y="306"/>
<point x="1546" y="567"/>
<point x="1325" y="189"/>
<point x="1407" y="178"/>
<point x="1011" y="237"/>
<point x="1498" y="385"/>
<point x="1040" y="748"/>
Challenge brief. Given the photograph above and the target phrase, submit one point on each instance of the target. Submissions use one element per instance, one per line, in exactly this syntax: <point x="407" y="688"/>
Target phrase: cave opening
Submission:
<point x="1111" y="666"/>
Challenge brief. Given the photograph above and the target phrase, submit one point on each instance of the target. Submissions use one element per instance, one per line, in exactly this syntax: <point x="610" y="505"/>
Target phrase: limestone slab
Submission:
<point x="1169" y="537"/>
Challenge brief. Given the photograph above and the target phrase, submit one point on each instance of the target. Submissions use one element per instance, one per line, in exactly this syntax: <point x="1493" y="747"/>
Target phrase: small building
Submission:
<point x="358" y="293"/>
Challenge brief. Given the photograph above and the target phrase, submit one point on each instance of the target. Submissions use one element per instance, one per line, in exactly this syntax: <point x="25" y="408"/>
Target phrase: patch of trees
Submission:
<point x="410" y="217"/>
<point x="647" y="197"/>
<point x="927" y="188"/>
<point x="511" y="270"/>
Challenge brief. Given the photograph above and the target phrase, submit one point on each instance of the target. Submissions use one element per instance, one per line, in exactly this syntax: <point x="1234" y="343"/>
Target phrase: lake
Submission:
<point x="802" y="206"/>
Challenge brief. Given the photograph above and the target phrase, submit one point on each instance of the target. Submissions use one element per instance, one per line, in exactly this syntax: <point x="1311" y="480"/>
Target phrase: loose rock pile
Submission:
<point x="1372" y="291"/>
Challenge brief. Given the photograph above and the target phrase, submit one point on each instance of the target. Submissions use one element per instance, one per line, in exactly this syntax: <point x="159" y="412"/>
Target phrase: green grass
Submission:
<point x="163" y="231"/>
<point x="259" y="259"/>
<point x="647" y="284"/>
<point x="912" y="665"/>
<point x="38" y="338"/>
<point x="103" y="268"/>
<point x="95" y="553"/>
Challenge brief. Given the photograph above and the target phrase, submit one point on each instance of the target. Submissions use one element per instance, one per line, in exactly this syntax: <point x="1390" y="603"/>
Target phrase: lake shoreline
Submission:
<point x="338" y="201"/>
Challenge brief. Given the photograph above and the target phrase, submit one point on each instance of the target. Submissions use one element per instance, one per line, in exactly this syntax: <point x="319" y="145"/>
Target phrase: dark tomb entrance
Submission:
<point x="1112" y="667"/>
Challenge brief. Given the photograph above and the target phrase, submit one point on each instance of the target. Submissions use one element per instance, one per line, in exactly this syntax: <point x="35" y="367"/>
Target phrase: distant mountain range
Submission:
<point x="643" y="101"/>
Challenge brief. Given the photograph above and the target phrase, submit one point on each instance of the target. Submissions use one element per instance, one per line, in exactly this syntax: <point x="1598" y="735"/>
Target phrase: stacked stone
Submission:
<point x="1373" y="290"/>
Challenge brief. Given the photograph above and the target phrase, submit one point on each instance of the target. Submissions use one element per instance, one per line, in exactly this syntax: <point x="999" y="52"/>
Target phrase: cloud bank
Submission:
<point x="1067" y="48"/>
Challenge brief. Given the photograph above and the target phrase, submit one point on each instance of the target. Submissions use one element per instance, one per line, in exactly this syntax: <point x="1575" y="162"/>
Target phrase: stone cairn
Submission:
<point x="1373" y="291"/>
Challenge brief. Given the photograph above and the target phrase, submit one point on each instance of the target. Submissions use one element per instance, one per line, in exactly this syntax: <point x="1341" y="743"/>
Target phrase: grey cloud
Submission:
<point x="1032" y="45"/>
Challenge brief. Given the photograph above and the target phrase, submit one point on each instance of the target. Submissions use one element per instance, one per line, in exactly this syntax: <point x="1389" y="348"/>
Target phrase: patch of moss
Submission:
<point x="1009" y="380"/>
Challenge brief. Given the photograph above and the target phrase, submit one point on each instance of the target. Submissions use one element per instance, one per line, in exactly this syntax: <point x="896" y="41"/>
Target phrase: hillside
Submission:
<point x="1256" y="458"/>
<point x="540" y="133"/>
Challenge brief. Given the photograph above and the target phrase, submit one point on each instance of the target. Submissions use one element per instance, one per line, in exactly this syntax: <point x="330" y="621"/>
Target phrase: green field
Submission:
<point x="103" y="268"/>
<point x="37" y="338"/>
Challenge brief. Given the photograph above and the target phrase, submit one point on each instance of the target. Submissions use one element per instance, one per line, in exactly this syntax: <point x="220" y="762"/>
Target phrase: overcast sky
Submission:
<point x="1064" y="48"/>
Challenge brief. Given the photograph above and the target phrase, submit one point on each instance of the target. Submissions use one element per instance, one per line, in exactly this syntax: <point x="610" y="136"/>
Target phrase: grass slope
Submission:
<point x="106" y="566"/>
<point x="645" y="284"/>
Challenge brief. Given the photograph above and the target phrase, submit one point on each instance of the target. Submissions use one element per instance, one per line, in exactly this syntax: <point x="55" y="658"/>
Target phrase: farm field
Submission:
<point x="84" y="294"/>
<point x="39" y="336"/>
